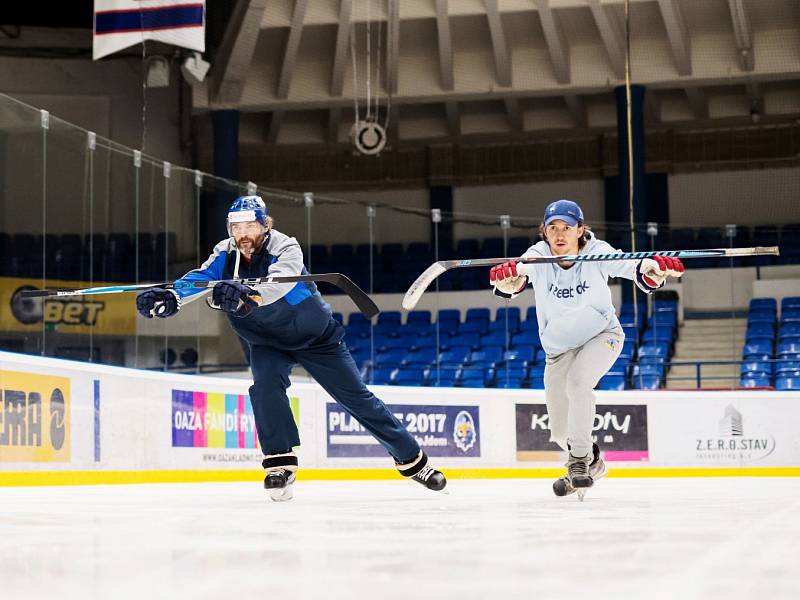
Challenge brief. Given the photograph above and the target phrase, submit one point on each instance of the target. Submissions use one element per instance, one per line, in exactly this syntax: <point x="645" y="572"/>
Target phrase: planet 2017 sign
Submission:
<point x="440" y="431"/>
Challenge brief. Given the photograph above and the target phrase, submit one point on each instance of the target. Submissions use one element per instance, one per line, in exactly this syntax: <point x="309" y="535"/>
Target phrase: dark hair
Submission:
<point x="582" y="241"/>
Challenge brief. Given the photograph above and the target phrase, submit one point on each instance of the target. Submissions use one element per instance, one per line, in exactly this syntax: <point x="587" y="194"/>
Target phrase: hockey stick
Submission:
<point x="430" y="274"/>
<point x="359" y="297"/>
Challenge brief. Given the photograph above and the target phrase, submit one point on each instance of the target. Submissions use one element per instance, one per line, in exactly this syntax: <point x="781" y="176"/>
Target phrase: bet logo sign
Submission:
<point x="30" y="311"/>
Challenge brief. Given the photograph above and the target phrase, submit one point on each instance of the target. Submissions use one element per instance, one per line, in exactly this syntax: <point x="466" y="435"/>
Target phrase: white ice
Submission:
<point x="632" y="538"/>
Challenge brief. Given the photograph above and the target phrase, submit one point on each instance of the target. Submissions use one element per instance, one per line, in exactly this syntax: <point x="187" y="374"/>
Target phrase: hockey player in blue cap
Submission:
<point x="285" y="324"/>
<point x="578" y="328"/>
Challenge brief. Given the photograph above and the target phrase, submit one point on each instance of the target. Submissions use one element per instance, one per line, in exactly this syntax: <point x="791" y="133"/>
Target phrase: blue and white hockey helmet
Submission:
<point x="246" y="209"/>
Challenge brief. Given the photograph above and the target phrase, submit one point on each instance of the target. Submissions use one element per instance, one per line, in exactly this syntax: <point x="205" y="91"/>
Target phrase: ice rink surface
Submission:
<point x="632" y="538"/>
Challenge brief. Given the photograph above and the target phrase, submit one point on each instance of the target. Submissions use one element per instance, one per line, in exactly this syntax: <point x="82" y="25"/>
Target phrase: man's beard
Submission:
<point x="249" y="248"/>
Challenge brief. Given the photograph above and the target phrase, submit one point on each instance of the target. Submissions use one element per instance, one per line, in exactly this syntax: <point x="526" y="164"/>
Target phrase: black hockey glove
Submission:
<point x="233" y="298"/>
<point x="158" y="302"/>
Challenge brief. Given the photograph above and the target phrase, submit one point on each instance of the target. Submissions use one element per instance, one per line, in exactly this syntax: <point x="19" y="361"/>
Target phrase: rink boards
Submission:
<point x="65" y="422"/>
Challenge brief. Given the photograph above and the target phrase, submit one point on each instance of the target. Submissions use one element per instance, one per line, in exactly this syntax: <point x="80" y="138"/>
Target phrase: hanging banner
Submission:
<point x="120" y="24"/>
<point x="105" y="314"/>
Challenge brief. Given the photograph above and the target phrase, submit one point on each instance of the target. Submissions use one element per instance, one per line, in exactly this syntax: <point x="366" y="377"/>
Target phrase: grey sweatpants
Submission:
<point x="569" y="381"/>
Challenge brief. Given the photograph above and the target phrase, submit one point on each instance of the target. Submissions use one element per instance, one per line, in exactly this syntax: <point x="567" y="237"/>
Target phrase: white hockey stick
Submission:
<point x="430" y="274"/>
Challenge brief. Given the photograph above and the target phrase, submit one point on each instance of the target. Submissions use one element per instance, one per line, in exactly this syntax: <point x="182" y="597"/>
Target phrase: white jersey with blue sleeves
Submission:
<point x="574" y="305"/>
<point x="287" y="259"/>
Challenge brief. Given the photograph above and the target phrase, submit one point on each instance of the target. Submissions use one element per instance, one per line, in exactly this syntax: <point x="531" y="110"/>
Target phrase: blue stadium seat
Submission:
<point x="789" y="330"/>
<point x="754" y="382"/>
<point x="628" y="350"/>
<point x="419" y="316"/>
<point x="445" y="377"/>
<point x="530" y="313"/>
<point x="526" y="338"/>
<point x="492" y="248"/>
<point x="454" y="358"/>
<point x="647" y="382"/>
<point x="786" y="366"/>
<point x="475" y="326"/>
<point x="396" y="343"/>
<point x="518" y="370"/>
<point x="760" y="316"/>
<point x="784" y="384"/>
<point x="757" y="348"/>
<point x="427" y="341"/>
<point x="653" y="353"/>
<point x="499" y="326"/>
<point x="386" y="329"/>
<point x="788" y="349"/>
<point x="631" y="333"/>
<point x="472" y="377"/>
<point x="358" y="319"/>
<point x="525" y="354"/>
<point x="470" y="340"/>
<point x="517" y="246"/>
<point x="790" y="302"/>
<point x="756" y="368"/>
<point x="657" y="334"/>
<point x="663" y="319"/>
<point x="762" y="331"/>
<point x="648" y="369"/>
<point x="790" y="315"/>
<point x="621" y="365"/>
<point x="513" y="312"/>
<point x="419" y="250"/>
<point x="408" y="376"/>
<point x="479" y="314"/>
<point x="468" y="248"/>
<point x="420" y="358"/>
<point x="529" y="325"/>
<point x="449" y="315"/>
<point x="389" y="316"/>
<point x="486" y="358"/>
<point x="536" y="383"/>
<point x="536" y="372"/>
<point x="509" y="383"/>
<point x="381" y="375"/>
<point x="764" y="303"/>
<point x="390" y="358"/>
<point x="612" y="382"/>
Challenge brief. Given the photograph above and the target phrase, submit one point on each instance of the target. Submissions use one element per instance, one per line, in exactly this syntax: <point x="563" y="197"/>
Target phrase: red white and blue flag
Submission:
<point x="120" y="24"/>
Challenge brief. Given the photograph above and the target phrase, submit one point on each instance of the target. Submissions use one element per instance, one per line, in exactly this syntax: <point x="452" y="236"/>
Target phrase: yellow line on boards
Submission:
<point x="38" y="478"/>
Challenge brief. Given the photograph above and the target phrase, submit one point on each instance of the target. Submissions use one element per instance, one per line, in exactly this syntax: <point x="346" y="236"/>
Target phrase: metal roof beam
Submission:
<point x="445" y="45"/>
<point x="743" y="34"/>
<point x="340" y="53"/>
<point x="502" y="60"/>
<point x="556" y="41"/>
<point x="611" y="34"/>
<point x="678" y="35"/>
<point x="232" y="64"/>
<point x="292" y="45"/>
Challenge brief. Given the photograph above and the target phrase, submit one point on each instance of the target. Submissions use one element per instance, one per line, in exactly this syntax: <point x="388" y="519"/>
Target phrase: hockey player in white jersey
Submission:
<point x="578" y="327"/>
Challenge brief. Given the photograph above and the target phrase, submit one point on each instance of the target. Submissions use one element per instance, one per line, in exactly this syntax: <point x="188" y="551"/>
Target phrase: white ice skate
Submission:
<point x="580" y="477"/>
<point x="281" y="471"/>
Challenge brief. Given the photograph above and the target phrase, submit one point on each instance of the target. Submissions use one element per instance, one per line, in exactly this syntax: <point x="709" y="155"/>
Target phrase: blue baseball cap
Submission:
<point x="565" y="210"/>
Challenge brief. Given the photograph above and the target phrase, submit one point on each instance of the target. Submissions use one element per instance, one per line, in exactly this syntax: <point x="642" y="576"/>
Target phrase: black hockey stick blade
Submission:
<point x="359" y="297"/>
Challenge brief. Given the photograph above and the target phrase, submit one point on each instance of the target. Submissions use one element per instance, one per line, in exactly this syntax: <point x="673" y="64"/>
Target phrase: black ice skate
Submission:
<point x="420" y="471"/>
<point x="579" y="474"/>
<point x="280" y="471"/>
